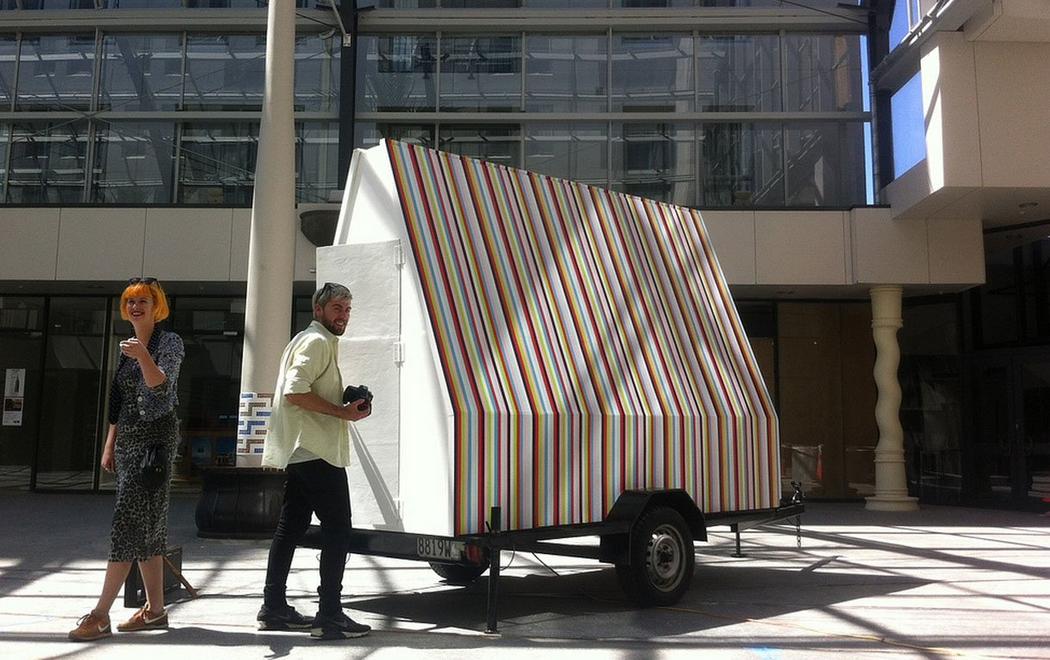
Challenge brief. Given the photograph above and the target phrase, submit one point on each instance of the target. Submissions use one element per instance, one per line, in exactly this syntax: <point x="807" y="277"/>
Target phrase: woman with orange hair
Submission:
<point x="141" y="415"/>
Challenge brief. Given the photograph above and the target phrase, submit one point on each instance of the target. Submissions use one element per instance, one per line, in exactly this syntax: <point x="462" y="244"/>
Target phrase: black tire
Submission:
<point x="459" y="573"/>
<point x="662" y="559"/>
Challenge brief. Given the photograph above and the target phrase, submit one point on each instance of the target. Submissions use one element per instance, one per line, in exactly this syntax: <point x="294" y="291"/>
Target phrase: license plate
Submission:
<point x="433" y="547"/>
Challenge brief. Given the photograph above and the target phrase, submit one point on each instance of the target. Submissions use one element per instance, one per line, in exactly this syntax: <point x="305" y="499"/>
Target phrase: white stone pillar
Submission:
<point x="891" y="484"/>
<point x="271" y="252"/>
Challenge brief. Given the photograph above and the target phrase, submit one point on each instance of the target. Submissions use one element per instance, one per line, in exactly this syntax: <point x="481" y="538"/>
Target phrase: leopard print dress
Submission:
<point x="144" y="416"/>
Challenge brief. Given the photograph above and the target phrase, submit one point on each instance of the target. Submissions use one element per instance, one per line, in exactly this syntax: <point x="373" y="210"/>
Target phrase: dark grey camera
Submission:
<point x="358" y="392"/>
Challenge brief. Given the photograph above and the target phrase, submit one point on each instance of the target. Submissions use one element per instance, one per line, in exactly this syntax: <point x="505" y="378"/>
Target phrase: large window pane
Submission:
<point x="825" y="163"/>
<point x="406" y="4"/>
<point x="67" y="453"/>
<point x="739" y="73"/>
<point x="566" y="73"/>
<point x="571" y="151"/>
<point x="134" y="162"/>
<point x="652" y="73"/>
<point x="743" y="164"/>
<point x="56" y="72"/>
<point x="566" y="4"/>
<point x="823" y="72"/>
<point x="909" y="126"/>
<point x="498" y="143"/>
<point x="58" y="4"/>
<point x="225" y="72"/>
<point x="141" y="72"/>
<point x="316" y="74"/>
<point x="397" y="73"/>
<point x="144" y="4"/>
<point x="212" y="330"/>
<point x="47" y="162"/>
<point x="217" y="162"/>
<point x="317" y="171"/>
<point x="8" y="55"/>
<point x="482" y="4"/>
<point x="655" y="160"/>
<point x="481" y="73"/>
<point x="369" y="134"/>
<point x="21" y="351"/>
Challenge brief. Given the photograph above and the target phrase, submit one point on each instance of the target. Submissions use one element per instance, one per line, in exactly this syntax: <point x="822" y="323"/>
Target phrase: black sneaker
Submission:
<point x="337" y="626"/>
<point x="286" y="618"/>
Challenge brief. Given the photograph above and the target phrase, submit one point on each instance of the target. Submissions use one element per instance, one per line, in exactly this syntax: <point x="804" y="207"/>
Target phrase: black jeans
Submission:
<point x="312" y="487"/>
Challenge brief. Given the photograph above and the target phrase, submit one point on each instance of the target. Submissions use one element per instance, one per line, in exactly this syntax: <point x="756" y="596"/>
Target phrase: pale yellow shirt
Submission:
<point x="310" y="363"/>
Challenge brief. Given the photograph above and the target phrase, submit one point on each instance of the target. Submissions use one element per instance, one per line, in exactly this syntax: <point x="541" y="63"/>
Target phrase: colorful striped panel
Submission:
<point x="589" y="345"/>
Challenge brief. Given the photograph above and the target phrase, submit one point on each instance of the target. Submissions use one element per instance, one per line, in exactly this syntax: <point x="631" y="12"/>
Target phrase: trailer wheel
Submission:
<point x="459" y="573"/>
<point x="661" y="559"/>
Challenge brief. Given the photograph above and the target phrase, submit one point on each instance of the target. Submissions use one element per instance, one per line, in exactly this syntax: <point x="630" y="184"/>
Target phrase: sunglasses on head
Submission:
<point x="142" y="280"/>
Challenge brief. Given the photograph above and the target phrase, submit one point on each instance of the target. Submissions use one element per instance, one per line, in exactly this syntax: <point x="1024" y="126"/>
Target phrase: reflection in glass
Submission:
<point x="823" y="72"/>
<point x="69" y="424"/>
<point x="212" y="331"/>
<point x="368" y="134"/>
<point x="21" y="351"/>
<point x="481" y="74"/>
<point x="579" y="152"/>
<point x="497" y="143"/>
<point x="225" y="71"/>
<point x="47" y="162"/>
<point x="398" y="73"/>
<point x="566" y="73"/>
<point x="566" y="4"/>
<point x="56" y="72"/>
<point x="909" y="126"/>
<point x="316" y="74"/>
<point x="655" y="160"/>
<point x="8" y="55"/>
<point x="317" y="160"/>
<point x="141" y="72"/>
<point x="743" y="164"/>
<point x="652" y="72"/>
<point x="739" y="73"/>
<point x="134" y="162"/>
<point x="825" y="163"/>
<point x="406" y="4"/>
<point x="217" y="162"/>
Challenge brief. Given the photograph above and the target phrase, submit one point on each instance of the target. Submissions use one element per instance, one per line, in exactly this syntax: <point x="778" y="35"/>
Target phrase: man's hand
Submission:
<point x="352" y="413"/>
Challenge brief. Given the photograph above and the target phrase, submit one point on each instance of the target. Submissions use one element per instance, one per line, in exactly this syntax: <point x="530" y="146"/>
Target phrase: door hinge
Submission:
<point x="399" y="256"/>
<point x="399" y="353"/>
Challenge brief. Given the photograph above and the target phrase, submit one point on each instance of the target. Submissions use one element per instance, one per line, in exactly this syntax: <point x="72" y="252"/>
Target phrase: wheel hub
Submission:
<point x="664" y="562"/>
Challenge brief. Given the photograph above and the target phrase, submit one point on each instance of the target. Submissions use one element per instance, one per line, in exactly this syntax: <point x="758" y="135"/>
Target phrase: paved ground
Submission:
<point x="943" y="582"/>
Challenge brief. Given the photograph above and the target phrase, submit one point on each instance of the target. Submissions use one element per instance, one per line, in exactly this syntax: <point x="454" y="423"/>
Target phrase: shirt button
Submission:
<point x="140" y="398"/>
<point x="142" y="412"/>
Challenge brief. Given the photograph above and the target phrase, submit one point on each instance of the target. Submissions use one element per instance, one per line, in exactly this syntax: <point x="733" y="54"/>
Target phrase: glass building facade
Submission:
<point x="115" y="117"/>
<point x="695" y="110"/>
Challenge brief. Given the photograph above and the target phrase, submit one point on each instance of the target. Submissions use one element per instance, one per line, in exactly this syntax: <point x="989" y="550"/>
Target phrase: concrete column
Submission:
<point x="271" y="252"/>
<point x="891" y="484"/>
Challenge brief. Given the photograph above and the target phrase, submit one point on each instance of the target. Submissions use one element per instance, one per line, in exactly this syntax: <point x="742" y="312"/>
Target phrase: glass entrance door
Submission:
<point x="68" y="445"/>
<point x="1011" y="421"/>
<point x="1034" y="418"/>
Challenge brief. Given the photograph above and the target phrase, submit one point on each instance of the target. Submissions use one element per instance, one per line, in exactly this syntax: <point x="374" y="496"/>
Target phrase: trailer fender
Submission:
<point x="630" y="506"/>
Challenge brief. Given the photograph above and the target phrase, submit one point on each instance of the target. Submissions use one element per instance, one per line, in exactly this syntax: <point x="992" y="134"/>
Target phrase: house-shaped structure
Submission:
<point x="539" y="345"/>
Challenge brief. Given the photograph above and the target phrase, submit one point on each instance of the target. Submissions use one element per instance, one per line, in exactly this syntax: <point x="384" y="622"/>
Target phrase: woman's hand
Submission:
<point x="133" y="348"/>
<point x="109" y="463"/>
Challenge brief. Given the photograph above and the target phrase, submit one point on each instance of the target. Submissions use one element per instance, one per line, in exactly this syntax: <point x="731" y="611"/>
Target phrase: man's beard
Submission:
<point x="330" y="326"/>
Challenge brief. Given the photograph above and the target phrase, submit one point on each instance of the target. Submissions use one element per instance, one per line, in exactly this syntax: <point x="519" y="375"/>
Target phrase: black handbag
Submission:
<point x="153" y="472"/>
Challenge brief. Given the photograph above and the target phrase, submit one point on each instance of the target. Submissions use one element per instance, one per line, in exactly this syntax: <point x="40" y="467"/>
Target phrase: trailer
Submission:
<point x="549" y="360"/>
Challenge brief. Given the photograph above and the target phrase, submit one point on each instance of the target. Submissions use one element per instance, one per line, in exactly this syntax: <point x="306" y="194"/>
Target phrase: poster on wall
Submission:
<point x="14" y="396"/>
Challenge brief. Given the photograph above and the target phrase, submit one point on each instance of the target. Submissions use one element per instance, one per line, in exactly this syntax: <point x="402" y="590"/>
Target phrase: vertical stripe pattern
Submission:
<point x="589" y="345"/>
